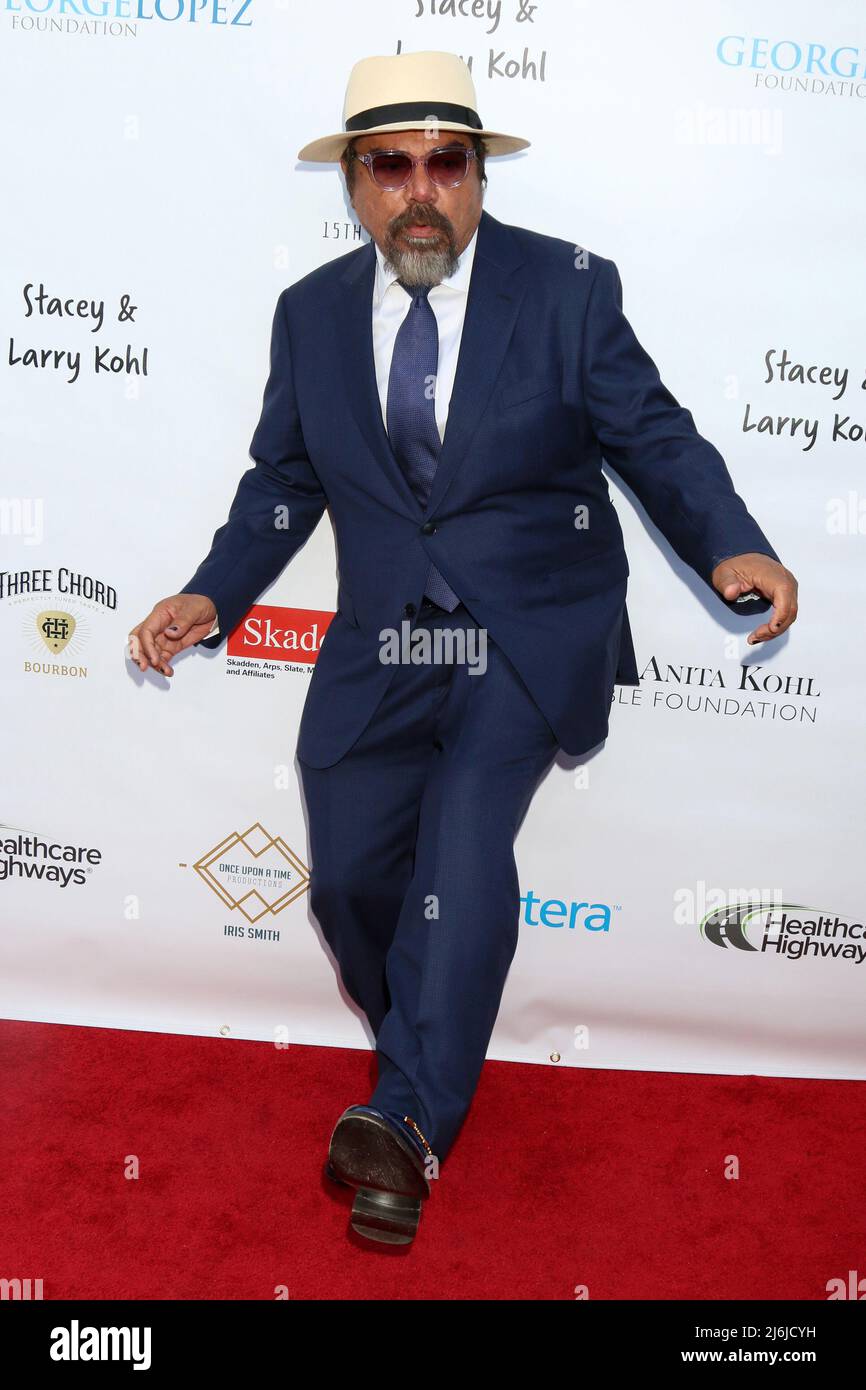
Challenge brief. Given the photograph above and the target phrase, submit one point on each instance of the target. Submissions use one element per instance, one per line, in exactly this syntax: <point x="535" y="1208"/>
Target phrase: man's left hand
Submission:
<point x="767" y="577"/>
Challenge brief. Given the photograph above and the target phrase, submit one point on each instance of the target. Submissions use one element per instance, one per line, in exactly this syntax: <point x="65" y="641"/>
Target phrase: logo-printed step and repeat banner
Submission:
<point x="693" y="894"/>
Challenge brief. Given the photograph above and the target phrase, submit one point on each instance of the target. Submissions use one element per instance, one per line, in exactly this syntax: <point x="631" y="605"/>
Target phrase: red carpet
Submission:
<point x="561" y="1177"/>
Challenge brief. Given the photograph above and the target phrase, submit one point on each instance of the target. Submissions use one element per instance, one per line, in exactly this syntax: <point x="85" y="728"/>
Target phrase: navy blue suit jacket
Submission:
<point x="550" y="379"/>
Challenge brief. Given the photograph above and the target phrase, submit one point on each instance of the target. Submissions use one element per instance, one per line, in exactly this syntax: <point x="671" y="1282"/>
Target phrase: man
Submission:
<point x="449" y="390"/>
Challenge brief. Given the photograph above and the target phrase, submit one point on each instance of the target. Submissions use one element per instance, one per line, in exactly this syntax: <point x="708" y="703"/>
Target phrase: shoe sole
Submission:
<point x="367" y="1154"/>
<point x="382" y="1216"/>
<point x="385" y="1216"/>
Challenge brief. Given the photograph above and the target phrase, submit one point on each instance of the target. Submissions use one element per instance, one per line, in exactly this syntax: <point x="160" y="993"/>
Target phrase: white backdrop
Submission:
<point x="713" y="151"/>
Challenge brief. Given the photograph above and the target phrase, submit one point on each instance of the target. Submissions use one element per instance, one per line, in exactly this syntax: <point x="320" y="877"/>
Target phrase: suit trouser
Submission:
<point x="413" y="876"/>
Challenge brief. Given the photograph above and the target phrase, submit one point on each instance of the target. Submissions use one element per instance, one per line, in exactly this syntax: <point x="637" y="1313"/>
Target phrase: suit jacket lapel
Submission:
<point x="493" y="301"/>
<point x="354" y="314"/>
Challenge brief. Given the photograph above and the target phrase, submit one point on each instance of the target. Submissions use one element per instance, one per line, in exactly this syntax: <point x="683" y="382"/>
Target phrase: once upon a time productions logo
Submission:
<point x="791" y="931"/>
<point x="56" y="605"/>
<point x="748" y="692"/>
<point x="30" y="857"/>
<point x="255" y="874"/>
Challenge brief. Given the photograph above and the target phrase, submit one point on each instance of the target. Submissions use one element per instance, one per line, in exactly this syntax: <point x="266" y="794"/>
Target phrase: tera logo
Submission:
<point x="783" y="928"/>
<point x="553" y="912"/>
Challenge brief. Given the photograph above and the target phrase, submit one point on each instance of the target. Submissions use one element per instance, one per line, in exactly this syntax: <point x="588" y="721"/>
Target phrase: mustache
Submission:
<point x="421" y="213"/>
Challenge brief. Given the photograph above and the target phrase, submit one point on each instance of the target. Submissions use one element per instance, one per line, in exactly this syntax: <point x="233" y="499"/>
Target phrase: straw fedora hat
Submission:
<point x="409" y="91"/>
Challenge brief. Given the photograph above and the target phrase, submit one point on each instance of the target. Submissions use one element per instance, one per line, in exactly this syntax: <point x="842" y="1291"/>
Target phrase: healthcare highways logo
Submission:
<point x="791" y="930"/>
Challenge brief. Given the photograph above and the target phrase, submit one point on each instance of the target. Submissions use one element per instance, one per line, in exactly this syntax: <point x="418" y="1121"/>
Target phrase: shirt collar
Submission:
<point x="458" y="281"/>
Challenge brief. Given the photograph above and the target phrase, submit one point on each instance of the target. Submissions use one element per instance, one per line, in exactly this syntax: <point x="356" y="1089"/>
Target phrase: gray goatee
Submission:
<point x="417" y="263"/>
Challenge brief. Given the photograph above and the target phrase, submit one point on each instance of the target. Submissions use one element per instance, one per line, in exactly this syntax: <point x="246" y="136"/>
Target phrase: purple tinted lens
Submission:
<point x="391" y="170"/>
<point x="447" y="166"/>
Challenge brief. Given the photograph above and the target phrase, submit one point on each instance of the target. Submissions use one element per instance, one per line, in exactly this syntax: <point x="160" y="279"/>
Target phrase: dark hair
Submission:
<point x="479" y="144"/>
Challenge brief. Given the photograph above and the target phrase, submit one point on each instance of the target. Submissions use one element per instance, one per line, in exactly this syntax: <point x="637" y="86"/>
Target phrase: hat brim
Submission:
<point x="329" y="148"/>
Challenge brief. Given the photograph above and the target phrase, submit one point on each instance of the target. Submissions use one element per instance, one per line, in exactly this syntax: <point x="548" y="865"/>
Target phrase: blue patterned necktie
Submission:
<point x="411" y="413"/>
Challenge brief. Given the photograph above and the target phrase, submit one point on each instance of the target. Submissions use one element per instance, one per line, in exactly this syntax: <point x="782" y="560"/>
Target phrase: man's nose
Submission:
<point x="421" y="188"/>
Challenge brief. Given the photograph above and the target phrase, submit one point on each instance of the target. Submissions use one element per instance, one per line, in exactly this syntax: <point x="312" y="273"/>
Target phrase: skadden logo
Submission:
<point x="254" y="873"/>
<point x="290" y="637"/>
<point x="790" y="930"/>
<point x="787" y="65"/>
<point x="122" y="18"/>
<point x="555" y="912"/>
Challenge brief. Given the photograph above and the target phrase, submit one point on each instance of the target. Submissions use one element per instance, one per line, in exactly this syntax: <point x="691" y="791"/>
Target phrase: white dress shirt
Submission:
<point x="448" y="302"/>
<point x="390" y="307"/>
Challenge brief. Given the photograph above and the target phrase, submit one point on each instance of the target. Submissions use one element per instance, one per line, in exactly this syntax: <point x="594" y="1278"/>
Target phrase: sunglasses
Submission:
<point x="393" y="169"/>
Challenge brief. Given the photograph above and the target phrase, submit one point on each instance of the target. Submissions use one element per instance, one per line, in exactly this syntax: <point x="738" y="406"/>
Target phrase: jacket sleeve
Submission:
<point x="278" y="502"/>
<point x="653" y="444"/>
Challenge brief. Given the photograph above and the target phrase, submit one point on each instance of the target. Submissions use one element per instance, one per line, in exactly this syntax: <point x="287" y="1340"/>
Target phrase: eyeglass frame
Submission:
<point x="367" y="161"/>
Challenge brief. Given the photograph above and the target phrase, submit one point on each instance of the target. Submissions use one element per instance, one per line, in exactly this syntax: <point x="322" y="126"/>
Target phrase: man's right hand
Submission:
<point x="175" y="624"/>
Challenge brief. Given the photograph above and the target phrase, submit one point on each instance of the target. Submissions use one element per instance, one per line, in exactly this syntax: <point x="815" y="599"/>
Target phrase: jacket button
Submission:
<point x="410" y="610"/>
<point x="428" y="529"/>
